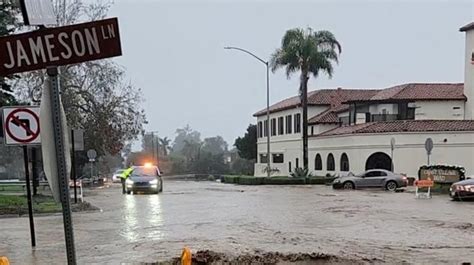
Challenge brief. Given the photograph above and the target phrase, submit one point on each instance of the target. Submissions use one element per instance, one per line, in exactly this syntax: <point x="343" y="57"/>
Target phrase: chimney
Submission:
<point x="469" y="71"/>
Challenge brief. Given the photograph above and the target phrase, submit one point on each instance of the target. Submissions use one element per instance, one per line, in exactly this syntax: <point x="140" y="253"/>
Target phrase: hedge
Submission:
<point x="284" y="181"/>
<point x="251" y="180"/>
<point x="231" y="179"/>
<point x="320" y="180"/>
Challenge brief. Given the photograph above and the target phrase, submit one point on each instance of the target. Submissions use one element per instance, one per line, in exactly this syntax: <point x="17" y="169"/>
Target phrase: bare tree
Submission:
<point x="95" y="95"/>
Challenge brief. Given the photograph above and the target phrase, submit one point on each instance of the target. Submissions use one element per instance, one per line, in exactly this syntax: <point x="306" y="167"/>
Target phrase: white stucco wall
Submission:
<point x="439" y="110"/>
<point x="315" y="110"/>
<point x="409" y="153"/>
<point x="469" y="75"/>
<point x="312" y="111"/>
<point x="291" y="149"/>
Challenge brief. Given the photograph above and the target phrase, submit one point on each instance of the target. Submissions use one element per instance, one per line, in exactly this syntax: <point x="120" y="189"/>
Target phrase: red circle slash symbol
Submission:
<point x="14" y="119"/>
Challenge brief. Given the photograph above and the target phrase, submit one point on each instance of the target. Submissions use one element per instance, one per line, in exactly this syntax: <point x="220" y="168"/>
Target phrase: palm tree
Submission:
<point x="308" y="52"/>
<point x="165" y="143"/>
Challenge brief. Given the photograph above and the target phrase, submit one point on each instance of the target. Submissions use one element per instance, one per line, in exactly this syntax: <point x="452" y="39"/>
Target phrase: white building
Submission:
<point x="352" y="129"/>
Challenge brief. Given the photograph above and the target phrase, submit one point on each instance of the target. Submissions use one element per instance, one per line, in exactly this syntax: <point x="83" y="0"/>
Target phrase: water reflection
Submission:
<point x="130" y="219"/>
<point x="142" y="217"/>
<point x="155" y="217"/>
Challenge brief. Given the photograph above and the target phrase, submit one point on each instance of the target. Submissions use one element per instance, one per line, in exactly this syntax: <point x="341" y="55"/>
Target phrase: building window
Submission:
<point x="289" y="124"/>
<point x="260" y="130"/>
<point x="273" y="123"/>
<point x="281" y="126"/>
<point x="289" y="166"/>
<point x="318" y="163"/>
<point x="330" y="163"/>
<point x="297" y="123"/>
<point x="297" y="163"/>
<point x="265" y="128"/>
<point x="263" y="159"/>
<point x="277" y="158"/>
<point x="344" y="162"/>
<point x="312" y="130"/>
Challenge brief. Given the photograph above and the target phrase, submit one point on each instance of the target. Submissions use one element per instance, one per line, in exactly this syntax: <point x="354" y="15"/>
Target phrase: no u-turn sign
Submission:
<point x="21" y="125"/>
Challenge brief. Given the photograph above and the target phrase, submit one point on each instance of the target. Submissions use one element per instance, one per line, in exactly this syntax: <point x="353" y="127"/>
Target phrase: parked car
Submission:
<point x="374" y="178"/>
<point x="117" y="174"/>
<point x="463" y="190"/>
<point x="144" y="179"/>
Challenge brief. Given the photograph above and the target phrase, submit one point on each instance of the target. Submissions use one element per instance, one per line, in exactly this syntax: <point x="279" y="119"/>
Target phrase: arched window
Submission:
<point x="318" y="163"/>
<point x="344" y="162"/>
<point x="330" y="163"/>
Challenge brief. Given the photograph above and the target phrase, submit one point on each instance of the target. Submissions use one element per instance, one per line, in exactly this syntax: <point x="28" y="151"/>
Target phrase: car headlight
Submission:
<point x="154" y="182"/>
<point x="129" y="182"/>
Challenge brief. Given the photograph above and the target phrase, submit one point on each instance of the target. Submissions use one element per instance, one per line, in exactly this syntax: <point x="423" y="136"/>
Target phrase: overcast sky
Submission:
<point x="173" y="50"/>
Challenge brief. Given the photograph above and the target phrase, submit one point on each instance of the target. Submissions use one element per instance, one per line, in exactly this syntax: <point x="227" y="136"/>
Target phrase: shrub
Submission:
<point x="319" y="180"/>
<point x="250" y="180"/>
<point x="231" y="179"/>
<point x="284" y="181"/>
<point x="300" y="172"/>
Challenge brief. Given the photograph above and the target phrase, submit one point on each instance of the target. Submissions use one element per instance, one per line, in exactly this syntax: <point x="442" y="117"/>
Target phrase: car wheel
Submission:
<point x="348" y="185"/>
<point x="391" y="186"/>
<point x="161" y="187"/>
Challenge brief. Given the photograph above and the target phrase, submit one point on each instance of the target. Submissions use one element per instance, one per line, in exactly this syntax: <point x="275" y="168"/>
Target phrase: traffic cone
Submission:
<point x="4" y="261"/>
<point x="186" y="256"/>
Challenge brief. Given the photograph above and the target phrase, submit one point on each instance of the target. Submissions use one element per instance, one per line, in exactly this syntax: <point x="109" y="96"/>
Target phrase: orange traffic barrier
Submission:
<point x="4" y="261"/>
<point x="426" y="183"/>
<point x="186" y="256"/>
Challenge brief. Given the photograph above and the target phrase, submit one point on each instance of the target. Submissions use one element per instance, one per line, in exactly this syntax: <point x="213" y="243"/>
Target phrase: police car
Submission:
<point x="146" y="179"/>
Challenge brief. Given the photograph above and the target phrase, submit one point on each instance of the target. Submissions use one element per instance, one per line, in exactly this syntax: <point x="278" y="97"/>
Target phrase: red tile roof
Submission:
<point x="403" y="126"/>
<point x="336" y="98"/>
<point x="328" y="116"/>
<point x="420" y="91"/>
<point x="329" y="97"/>
<point x="467" y="27"/>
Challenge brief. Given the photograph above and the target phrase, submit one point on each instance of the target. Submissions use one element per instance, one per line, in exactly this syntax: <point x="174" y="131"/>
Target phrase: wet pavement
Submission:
<point x="393" y="227"/>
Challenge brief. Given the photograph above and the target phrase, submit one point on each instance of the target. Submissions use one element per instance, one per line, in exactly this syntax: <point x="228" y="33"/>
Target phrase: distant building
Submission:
<point x="351" y="129"/>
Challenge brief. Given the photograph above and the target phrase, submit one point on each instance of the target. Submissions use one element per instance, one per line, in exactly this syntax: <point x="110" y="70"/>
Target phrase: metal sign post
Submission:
<point x="429" y="148"/>
<point x="77" y="144"/>
<point x="73" y="166"/>
<point x="392" y="147"/>
<point x="92" y="154"/>
<point x="61" y="164"/>
<point x="28" y="195"/>
<point x="38" y="12"/>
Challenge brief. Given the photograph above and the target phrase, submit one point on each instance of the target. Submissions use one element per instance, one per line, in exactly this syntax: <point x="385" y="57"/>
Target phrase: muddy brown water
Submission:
<point x="362" y="226"/>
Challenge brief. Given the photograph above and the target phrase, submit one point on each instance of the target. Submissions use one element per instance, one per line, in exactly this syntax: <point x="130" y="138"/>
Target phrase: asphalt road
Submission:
<point x="393" y="227"/>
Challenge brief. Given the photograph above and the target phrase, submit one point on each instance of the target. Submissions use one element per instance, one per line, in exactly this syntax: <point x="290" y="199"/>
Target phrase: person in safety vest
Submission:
<point x="123" y="177"/>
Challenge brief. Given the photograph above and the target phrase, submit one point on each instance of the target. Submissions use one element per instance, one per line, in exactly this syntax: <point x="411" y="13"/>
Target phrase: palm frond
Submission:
<point x="326" y="40"/>
<point x="308" y="51"/>
<point x="291" y="37"/>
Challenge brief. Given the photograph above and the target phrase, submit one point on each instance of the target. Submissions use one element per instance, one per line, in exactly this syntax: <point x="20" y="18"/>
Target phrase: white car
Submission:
<point x="116" y="175"/>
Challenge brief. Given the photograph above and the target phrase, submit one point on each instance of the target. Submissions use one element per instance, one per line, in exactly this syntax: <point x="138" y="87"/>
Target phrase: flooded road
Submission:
<point x="393" y="227"/>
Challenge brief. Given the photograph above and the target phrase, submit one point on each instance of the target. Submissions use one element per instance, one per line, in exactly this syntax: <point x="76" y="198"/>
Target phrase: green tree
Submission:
<point x="8" y="24"/>
<point x="247" y="145"/>
<point x="165" y="145"/>
<point x="184" y="136"/>
<point x="310" y="53"/>
<point x="214" y="145"/>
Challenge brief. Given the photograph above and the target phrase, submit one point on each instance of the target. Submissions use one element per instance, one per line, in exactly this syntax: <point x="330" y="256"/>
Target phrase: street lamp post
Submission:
<point x="268" y="102"/>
